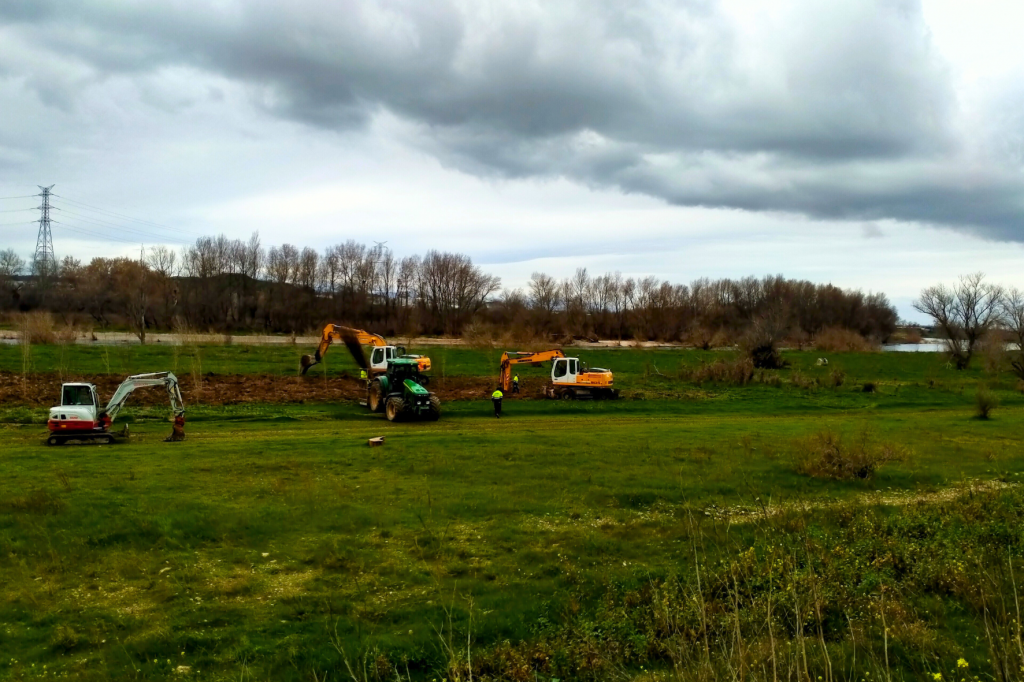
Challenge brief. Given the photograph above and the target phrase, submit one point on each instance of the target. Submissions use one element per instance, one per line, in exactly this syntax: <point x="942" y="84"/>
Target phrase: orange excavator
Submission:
<point x="570" y="378"/>
<point x="355" y="339"/>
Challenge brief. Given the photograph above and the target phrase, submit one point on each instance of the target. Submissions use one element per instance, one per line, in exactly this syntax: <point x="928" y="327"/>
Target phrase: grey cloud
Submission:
<point x="843" y="110"/>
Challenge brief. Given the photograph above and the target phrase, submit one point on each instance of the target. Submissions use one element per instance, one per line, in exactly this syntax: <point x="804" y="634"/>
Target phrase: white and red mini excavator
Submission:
<point x="80" y="418"/>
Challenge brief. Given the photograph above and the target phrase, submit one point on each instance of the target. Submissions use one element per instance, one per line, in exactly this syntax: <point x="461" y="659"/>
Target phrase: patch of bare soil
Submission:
<point x="43" y="389"/>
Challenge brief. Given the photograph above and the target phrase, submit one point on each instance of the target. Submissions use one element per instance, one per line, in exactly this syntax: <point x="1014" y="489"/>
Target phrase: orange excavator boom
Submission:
<point x="337" y="332"/>
<point x="522" y="358"/>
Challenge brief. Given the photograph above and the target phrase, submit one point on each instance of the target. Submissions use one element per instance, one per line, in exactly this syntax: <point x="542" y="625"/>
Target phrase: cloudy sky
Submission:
<point x="872" y="144"/>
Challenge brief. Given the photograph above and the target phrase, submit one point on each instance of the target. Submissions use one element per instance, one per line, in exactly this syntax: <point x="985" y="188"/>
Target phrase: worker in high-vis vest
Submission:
<point x="362" y="374"/>
<point x="515" y="384"/>
<point x="496" y="399"/>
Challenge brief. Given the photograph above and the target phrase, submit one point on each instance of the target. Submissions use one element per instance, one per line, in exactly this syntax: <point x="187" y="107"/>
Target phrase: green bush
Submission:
<point x="985" y="402"/>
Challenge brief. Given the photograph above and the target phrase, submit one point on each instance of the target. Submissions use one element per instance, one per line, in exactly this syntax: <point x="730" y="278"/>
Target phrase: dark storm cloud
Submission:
<point x="834" y="110"/>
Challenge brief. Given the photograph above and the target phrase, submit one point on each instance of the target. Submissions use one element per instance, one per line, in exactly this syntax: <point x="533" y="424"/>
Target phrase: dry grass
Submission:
<point x="827" y="455"/>
<point x="735" y="372"/>
<point x="839" y="340"/>
<point x="36" y="327"/>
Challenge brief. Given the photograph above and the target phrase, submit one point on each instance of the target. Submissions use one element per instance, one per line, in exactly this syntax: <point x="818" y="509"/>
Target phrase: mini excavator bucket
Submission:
<point x="178" y="432"/>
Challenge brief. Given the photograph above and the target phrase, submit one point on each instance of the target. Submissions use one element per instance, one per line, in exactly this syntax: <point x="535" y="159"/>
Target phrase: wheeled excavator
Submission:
<point x="80" y="417"/>
<point x="570" y="378"/>
<point x="395" y="381"/>
<point x="381" y="354"/>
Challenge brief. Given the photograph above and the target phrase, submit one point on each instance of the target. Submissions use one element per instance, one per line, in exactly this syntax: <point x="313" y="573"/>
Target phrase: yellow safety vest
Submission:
<point x="516" y="378"/>
<point x="362" y="374"/>
<point x="496" y="395"/>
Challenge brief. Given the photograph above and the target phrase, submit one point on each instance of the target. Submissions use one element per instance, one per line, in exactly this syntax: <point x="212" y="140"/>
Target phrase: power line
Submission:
<point x="23" y="196"/>
<point x="123" y="216"/>
<point x="106" y="223"/>
<point x="16" y="210"/>
<point x="81" y="230"/>
<point x="29" y="222"/>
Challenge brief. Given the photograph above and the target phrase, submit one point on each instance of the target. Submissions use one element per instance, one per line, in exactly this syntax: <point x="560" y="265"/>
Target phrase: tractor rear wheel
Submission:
<point x="393" y="409"/>
<point x="375" y="397"/>
<point x="434" y="411"/>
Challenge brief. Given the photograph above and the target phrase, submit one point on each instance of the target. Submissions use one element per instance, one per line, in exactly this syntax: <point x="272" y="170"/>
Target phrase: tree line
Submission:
<point x="232" y="285"/>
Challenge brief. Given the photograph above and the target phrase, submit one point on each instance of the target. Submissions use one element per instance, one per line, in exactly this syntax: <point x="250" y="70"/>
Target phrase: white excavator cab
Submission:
<point x="381" y="355"/>
<point x="565" y="370"/>
<point x="78" y="395"/>
<point x="78" y="408"/>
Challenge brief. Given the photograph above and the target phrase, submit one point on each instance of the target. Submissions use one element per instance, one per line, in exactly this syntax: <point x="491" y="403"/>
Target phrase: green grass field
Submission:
<point x="677" y="536"/>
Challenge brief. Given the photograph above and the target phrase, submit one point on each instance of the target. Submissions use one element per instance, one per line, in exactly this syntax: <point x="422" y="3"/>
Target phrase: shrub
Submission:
<point x="1017" y="365"/>
<point x="801" y="381"/>
<point x="838" y="340"/>
<point x="36" y="327"/>
<point x="739" y="372"/>
<point x="985" y="402"/>
<point x="766" y="356"/>
<point x="761" y="340"/>
<point x="827" y="456"/>
<point x="837" y="377"/>
<point x="994" y="356"/>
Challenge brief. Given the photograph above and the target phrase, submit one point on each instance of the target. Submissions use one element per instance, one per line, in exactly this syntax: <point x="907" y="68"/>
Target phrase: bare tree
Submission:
<point x="11" y="264"/>
<point x="306" y="269"/>
<point x="544" y="298"/>
<point x="255" y="257"/>
<point x="964" y="313"/>
<point x="1013" y="319"/>
<point x="454" y="289"/>
<point x="162" y="261"/>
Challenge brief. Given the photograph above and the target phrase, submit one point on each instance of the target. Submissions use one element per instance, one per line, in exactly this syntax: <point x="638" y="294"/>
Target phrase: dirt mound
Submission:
<point x="43" y="389"/>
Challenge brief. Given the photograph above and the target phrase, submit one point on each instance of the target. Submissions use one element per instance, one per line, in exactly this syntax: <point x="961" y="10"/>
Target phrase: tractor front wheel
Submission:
<point x="375" y="397"/>
<point x="434" y="411"/>
<point x="393" y="409"/>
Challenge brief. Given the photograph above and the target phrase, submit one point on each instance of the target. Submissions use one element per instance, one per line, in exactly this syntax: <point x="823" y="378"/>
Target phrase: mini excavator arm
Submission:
<point x="128" y="386"/>
<point x="522" y="358"/>
<point x="336" y="332"/>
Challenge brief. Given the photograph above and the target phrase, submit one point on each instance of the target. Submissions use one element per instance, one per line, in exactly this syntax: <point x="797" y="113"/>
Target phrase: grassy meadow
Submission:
<point x="691" y="530"/>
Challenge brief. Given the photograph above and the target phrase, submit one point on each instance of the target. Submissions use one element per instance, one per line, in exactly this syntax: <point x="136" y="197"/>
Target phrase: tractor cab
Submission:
<point x="402" y="368"/>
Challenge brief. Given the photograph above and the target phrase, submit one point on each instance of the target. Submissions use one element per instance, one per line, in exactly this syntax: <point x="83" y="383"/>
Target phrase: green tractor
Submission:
<point x="400" y="394"/>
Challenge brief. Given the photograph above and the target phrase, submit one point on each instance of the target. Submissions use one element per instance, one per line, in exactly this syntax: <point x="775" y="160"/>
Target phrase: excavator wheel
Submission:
<point x="434" y="412"/>
<point x="393" y="409"/>
<point x="178" y="432"/>
<point x="55" y="440"/>
<point x="375" y="397"/>
<point x="567" y="394"/>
